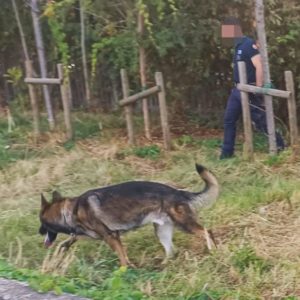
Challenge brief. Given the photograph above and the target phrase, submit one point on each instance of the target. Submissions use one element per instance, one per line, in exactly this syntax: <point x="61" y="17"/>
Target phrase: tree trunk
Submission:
<point x="143" y="75"/>
<point x="42" y="60"/>
<point x="84" y="60"/>
<point x="261" y="33"/>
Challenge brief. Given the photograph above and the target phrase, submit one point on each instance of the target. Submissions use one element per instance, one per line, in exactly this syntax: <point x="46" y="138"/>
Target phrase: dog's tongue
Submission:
<point x="47" y="241"/>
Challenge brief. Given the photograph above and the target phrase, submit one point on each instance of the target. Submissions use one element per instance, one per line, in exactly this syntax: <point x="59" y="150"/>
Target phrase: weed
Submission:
<point x="276" y="160"/>
<point x="245" y="257"/>
<point x="260" y="142"/>
<point x="186" y="140"/>
<point x="68" y="145"/>
<point x="85" y="126"/>
<point x="151" y="152"/>
<point x="213" y="143"/>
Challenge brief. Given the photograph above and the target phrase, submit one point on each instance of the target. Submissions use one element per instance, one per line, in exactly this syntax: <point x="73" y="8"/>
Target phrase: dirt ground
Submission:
<point x="14" y="290"/>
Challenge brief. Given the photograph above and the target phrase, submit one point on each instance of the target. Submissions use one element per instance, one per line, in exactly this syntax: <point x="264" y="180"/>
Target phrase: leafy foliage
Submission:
<point x="182" y="40"/>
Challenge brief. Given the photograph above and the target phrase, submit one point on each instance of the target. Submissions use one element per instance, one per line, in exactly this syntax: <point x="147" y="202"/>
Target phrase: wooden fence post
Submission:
<point x="163" y="110"/>
<point x="248" y="145"/>
<point x="128" y="108"/>
<point x="261" y="33"/>
<point x="33" y="99"/>
<point x="70" y="95"/>
<point x="64" y="90"/>
<point x="142" y="62"/>
<point x="292" y="108"/>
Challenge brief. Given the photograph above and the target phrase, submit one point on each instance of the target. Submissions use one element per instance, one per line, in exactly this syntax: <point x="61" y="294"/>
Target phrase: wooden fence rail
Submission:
<point x="140" y="95"/>
<point x="43" y="80"/>
<point x="64" y="89"/>
<point x="265" y="91"/>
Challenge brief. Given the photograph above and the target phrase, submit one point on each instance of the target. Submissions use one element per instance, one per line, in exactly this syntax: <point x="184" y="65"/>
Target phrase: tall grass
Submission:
<point x="255" y="219"/>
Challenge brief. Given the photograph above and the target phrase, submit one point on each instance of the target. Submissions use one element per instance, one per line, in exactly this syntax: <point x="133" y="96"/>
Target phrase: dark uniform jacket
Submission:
<point x="245" y="49"/>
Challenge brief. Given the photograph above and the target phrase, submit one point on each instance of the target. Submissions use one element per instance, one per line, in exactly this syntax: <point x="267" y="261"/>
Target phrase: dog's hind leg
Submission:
<point x="164" y="233"/>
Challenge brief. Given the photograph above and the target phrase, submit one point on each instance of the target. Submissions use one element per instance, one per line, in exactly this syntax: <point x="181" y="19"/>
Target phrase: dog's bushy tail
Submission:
<point x="210" y="193"/>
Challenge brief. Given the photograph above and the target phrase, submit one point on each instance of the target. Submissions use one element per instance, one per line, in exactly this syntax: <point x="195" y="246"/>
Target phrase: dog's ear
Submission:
<point x="44" y="202"/>
<point x="56" y="196"/>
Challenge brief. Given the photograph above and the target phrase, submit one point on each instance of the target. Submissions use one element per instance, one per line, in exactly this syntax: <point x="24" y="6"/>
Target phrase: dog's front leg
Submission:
<point x="114" y="241"/>
<point x="65" y="245"/>
<point x="115" y="244"/>
<point x="112" y="238"/>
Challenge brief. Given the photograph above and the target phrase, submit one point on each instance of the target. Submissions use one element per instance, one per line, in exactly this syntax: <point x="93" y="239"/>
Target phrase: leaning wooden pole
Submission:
<point x="248" y="144"/>
<point x="64" y="89"/>
<point x="21" y="31"/>
<point x="163" y="110"/>
<point x="292" y="109"/>
<point x="128" y="108"/>
<point x="83" y="51"/>
<point x="42" y="59"/>
<point x="261" y="33"/>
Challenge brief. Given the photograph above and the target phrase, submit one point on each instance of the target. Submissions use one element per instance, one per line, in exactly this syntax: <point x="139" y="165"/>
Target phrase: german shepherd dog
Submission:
<point x="106" y="212"/>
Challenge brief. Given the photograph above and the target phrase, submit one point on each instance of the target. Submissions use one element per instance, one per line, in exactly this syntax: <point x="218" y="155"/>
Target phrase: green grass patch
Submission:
<point x="116" y="286"/>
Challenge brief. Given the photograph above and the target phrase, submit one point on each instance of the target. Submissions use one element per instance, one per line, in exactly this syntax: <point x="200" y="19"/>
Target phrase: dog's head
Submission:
<point x="50" y="214"/>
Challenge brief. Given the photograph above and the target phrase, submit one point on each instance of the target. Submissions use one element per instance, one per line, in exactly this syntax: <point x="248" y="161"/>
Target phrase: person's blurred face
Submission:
<point x="230" y="33"/>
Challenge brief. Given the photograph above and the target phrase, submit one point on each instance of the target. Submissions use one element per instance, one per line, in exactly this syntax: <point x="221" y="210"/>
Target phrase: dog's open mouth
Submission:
<point x="47" y="242"/>
<point x="49" y="239"/>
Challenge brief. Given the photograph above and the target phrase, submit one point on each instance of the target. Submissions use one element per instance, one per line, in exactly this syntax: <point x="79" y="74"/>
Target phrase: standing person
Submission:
<point x="245" y="50"/>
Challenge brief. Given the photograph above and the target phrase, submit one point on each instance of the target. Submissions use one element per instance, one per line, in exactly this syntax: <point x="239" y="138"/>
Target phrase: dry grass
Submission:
<point x="259" y="208"/>
<point x="275" y="231"/>
<point x="58" y="261"/>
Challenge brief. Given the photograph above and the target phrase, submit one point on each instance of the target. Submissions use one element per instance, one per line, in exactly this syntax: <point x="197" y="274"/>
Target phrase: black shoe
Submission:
<point x="225" y="156"/>
<point x="280" y="149"/>
<point x="279" y="143"/>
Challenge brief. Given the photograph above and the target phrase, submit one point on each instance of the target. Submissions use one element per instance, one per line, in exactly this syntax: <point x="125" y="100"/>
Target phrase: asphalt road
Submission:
<point x="15" y="290"/>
